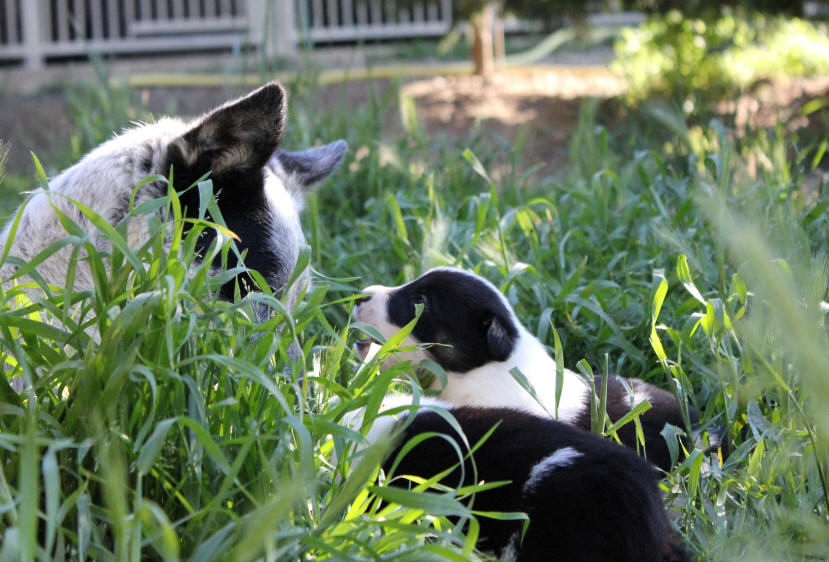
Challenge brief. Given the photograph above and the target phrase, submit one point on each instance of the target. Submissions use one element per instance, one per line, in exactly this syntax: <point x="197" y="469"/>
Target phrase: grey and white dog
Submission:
<point x="260" y="188"/>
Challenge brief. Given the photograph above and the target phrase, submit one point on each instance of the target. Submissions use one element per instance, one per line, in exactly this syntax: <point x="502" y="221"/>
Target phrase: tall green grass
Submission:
<point x="160" y="422"/>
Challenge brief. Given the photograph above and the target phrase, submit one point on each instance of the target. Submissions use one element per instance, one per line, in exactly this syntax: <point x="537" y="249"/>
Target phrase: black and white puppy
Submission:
<point x="260" y="188"/>
<point x="480" y="340"/>
<point x="586" y="497"/>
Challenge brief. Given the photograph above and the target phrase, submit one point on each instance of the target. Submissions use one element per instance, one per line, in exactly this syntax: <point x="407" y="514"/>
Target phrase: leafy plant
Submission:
<point x="703" y="60"/>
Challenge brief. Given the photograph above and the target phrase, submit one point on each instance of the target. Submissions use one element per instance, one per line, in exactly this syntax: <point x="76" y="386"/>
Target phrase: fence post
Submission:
<point x="257" y="15"/>
<point x="273" y="26"/>
<point x="283" y="31"/>
<point x="31" y="35"/>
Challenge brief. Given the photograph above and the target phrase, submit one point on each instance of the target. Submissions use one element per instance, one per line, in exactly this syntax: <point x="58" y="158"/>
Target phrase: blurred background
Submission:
<point x="749" y="60"/>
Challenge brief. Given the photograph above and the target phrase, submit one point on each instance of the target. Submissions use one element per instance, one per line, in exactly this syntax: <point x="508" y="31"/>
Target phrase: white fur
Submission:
<point x="641" y="391"/>
<point x="289" y="239"/>
<point x="510" y="552"/>
<point x="291" y="184"/>
<point x="561" y="458"/>
<point x="99" y="181"/>
<point x="492" y="385"/>
<point x="373" y="312"/>
<point x="384" y="424"/>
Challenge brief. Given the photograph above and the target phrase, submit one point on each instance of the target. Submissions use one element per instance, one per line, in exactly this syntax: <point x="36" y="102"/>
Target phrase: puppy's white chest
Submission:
<point x="489" y="389"/>
<point x="492" y="385"/>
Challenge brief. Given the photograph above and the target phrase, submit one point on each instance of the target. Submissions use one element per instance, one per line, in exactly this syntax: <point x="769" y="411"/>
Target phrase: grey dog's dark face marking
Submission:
<point x="237" y="143"/>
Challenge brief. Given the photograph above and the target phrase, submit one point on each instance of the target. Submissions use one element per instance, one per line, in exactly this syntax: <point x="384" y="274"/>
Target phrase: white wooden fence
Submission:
<point x="32" y="31"/>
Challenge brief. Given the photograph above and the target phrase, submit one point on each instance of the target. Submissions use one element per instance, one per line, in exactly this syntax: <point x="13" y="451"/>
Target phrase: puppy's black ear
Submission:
<point x="304" y="169"/>
<point x="499" y="341"/>
<point x="238" y="136"/>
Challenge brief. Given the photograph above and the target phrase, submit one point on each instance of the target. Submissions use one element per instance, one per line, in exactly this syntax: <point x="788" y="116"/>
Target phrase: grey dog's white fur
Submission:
<point x="100" y="181"/>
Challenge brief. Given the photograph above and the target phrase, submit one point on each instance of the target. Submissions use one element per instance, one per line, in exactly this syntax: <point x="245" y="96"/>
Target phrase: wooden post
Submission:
<point x="482" y="54"/>
<point x="499" y="40"/>
<point x="31" y="35"/>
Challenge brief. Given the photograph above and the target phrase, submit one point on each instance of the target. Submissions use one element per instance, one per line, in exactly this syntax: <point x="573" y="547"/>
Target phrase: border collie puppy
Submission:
<point x="479" y="340"/>
<point x="260" y="189"/>
<point x="586" y="497"/>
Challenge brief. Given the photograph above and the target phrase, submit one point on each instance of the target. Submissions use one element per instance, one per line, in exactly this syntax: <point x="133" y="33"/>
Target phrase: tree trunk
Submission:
<point x="482" y="41"/>
<point x="500" y="42"/>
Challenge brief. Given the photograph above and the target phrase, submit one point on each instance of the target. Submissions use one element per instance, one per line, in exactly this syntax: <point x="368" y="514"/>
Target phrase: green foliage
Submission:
<point x="709" y="8"/>
<point x="697" y="59"/>
<point x="10" y="189"/>
<point x="99" y="112"/>
<point x="10" y="185"/>
<point x="160" y="422"/>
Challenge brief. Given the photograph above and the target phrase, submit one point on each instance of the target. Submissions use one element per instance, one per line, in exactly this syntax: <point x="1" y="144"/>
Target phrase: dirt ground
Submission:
<point x="542" y="103"/>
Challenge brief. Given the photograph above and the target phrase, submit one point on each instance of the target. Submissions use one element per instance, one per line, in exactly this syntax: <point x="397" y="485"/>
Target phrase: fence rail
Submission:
<point x="347" y="20"/>
<point x="32" y="31"/>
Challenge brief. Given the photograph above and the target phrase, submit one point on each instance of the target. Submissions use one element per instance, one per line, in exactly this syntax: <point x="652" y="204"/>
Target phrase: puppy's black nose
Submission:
<point x="361" y="300"/>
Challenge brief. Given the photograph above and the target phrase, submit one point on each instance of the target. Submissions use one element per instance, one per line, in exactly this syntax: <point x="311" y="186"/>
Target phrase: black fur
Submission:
<point x="604" y="506"/>
<point x="147" y="162"/>
<point x="664" y="409"/>
<point x="461" y="312"/>
<point x="233" y="143"/>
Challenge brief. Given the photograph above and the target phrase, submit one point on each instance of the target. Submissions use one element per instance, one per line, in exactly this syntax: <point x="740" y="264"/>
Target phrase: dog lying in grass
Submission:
<point x="479" y="341"/>
<point x="586" y="497"/>
<point x="260" y="190"/>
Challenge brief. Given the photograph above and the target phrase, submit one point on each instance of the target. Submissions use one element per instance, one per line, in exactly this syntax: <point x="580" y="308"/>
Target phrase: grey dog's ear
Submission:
<point x="239" y="135"/>
<point x="301" y="170"/>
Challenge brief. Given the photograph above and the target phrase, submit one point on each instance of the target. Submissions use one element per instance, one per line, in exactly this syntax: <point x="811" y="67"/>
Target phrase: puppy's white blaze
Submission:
<point x="492" y="385"/>
<point x="561" y="458"/>
<point x="374" y="312"/>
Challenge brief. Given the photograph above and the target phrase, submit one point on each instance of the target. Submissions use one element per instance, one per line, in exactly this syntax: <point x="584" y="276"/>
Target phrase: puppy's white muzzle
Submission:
<point x="373" y="310"/>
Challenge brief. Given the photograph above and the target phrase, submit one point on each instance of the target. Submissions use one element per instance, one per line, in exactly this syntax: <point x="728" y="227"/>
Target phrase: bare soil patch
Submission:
<point x="542" y="104"/>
